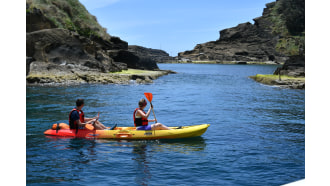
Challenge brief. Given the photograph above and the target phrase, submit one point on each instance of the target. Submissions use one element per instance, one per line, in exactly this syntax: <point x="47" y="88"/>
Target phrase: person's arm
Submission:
<point x="83" y="124"/>
<point x="140" y="113"/>
<point x="75" y="117"/>
<point x="80" y="124"/>
<point x="90" y="120"/>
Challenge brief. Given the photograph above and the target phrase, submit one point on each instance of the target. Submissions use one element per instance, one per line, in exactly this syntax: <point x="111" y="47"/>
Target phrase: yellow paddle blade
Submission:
<point x="148" y="96"/>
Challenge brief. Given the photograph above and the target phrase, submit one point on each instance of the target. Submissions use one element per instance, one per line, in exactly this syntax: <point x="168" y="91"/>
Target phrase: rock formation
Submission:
<point x="294" y="66"/>
<point x="59" y="48"/>
<point x="62" y="39"/>
<point x="272" y="37"/>
<point x="159" y="56"/>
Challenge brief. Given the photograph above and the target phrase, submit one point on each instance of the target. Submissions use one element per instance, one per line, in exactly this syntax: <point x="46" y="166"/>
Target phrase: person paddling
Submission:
<point x="77" y="118"/>
<point x="141" y="118"/>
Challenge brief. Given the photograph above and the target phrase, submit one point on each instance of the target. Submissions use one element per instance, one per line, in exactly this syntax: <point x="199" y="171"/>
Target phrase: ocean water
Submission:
<point x="256" y="137"/>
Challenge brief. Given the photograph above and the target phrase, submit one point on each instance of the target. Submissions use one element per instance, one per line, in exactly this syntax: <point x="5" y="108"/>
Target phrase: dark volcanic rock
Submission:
<point x="157" y="55"/>
<point x="29" y="60"/>
<point x="268" y="39"/>
<point x="61" y="47"/>
<point x="294" y="66"/>
<point x="133" y="61"/>
<point x="245" y="42"/>
<point x="35" y="20"/>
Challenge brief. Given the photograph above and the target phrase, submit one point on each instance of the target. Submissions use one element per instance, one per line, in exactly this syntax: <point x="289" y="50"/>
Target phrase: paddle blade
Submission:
<point x="148" y="96"/>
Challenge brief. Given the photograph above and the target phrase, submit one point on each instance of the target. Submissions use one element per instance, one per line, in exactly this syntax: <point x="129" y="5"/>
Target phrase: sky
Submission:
<point x="172" y="25"/>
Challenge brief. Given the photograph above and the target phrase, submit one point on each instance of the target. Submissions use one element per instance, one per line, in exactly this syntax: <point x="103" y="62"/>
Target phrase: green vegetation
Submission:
<point x="133" y="71"/>
<point x="71" y="15"/>
<point x="270" y="79"/>
<point x="203" y="62"/>
<point x="276" y="77"/>
<point x="288" y="18"/>
<point x="291" y="45"/>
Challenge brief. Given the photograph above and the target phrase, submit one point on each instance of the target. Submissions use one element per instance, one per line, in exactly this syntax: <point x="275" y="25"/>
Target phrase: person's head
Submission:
<point x="79" y="102"/>
<point x="142" y="102"/>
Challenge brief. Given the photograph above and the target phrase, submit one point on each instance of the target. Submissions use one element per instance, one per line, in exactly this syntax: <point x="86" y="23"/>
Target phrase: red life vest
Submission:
<point x="139" y="121"/>
<point x="73" y="124"/>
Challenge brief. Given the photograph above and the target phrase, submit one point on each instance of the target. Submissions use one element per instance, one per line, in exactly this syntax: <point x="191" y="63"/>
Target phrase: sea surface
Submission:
<point x="256" y="136"/>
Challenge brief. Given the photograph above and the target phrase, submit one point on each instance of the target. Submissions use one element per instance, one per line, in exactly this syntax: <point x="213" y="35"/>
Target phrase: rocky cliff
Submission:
<point x="62" y="39"/>
<point x="157" y="55"/>
<point x="275" y="36"/>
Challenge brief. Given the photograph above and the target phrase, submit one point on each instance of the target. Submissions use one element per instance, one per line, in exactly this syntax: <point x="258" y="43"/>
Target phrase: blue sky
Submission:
<point x="172" y="25"/>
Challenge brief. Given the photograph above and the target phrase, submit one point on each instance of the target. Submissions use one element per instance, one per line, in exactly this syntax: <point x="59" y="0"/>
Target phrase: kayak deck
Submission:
<point x="132" y="133"/>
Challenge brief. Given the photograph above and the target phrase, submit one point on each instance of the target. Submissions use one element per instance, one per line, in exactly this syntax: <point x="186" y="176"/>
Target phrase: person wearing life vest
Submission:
<point x="77" y="118"/>
<point x="141" y="119"/>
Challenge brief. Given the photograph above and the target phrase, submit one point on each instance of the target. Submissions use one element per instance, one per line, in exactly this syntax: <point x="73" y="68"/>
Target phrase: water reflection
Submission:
<point x="79" y="154"/>
<point x="185" y="146"/>
<point x="144" y="151"/>
<point x="142" y="164"/>
<point x="78" y="145"/>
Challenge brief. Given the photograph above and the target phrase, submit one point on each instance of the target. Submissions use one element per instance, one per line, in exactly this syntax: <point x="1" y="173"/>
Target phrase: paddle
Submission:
<point x="97" y="118"/>
<point x="149" y="98"/>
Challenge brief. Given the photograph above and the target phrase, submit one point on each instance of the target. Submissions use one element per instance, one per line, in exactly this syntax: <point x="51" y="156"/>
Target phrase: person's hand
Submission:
<point x="94" y="121"/>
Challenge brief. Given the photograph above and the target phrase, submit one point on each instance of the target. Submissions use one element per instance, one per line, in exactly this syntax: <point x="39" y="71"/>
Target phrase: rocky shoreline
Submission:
<point x="224" y="62"/>
<point x="80" y="77"/>
<point x="283" y="81"/>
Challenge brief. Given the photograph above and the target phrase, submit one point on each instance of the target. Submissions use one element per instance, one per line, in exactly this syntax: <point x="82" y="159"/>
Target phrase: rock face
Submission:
<point x="159" y="56"/>
<point x="63" y="39"/>
<point x="245" y="42"/>
<point x="268" y="39"/>
<point x="35" y="20"/>
<point x="294" y="66"/>
<point x="134" y="61"/>
<point x="59" y="48"/>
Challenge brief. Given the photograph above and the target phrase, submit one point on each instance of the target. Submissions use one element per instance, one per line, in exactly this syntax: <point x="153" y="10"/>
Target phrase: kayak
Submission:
<point x="132" y="133"/>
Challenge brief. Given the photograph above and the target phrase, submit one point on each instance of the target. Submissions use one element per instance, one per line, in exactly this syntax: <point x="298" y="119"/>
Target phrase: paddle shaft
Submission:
<point x="98" y="116"/>
<point x="93" y="122"/>
<point x="153" y="112"/>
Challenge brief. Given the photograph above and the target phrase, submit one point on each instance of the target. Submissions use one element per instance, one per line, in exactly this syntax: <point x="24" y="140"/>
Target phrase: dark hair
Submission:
<point x="79" y="102"/>
<point x="142" y="102"/>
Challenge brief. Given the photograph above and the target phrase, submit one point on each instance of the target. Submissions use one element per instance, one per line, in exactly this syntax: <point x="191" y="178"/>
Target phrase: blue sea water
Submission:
<point x="256" y="137"/>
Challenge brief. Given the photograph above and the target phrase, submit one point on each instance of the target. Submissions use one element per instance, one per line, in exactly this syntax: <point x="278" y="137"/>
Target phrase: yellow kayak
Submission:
<point x="132" y="133"/>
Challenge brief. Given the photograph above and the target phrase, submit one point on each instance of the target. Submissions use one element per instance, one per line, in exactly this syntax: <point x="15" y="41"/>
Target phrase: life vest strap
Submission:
<point x="57" y="127"/>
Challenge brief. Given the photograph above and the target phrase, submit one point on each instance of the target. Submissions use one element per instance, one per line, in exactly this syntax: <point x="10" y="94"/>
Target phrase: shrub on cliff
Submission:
<point x="288" y="17"/>
<point x="69" y="14"/>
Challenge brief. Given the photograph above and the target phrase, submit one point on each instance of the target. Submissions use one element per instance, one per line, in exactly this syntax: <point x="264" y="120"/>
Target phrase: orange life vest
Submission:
<point x="73" y="124"/>
<point x="139" y="121"/>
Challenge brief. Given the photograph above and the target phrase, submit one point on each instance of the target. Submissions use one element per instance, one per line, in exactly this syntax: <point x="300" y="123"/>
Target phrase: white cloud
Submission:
<point x="95" y="4"/>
